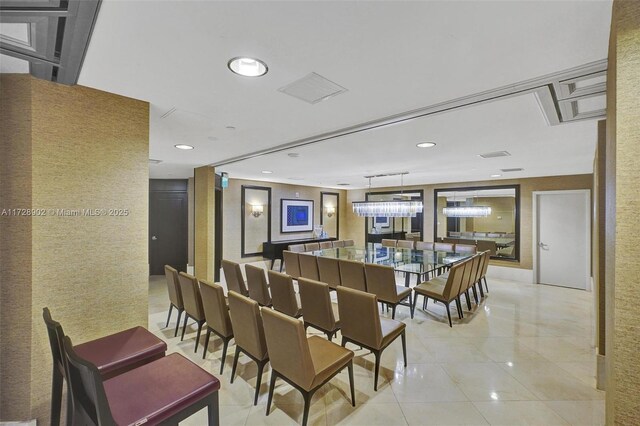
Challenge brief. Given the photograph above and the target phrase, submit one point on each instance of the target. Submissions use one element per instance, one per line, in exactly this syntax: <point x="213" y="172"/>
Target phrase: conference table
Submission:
<point x="410" y="262"/>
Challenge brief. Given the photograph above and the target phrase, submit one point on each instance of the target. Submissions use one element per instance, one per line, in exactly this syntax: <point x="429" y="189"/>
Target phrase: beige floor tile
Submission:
<point x="388" y="414"/>
<point x="580" y="413"/>
<point x="583" y="371"/>
<point x="565" y="349"/>
<point x="442" y="414"/>
<point x="487" y="382"/>
<point x="286" y="414"/>
<point x="514" y="413"/>
<point x="453" y="349"/>
<point x="229" y="415"/>
<point x="505" y="349"/>
<point x="426" y="383"/>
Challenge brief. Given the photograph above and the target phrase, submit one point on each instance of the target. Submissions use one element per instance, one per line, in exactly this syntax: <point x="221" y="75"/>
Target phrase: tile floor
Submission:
<point x="525" y="356"/>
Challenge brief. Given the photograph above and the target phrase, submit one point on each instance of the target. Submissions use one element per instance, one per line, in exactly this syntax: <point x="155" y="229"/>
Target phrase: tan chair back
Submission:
<point x="233" y="277"/>
<point x="405" y="244"/>
<point x="297" y="248"/>
<point x="349" y="243"/>
<point x="171" y="275"/>
<point x="424" y="245"/>
<point x="283" y="295"/>
<point x="308" y="266"/>
<point x="485" y="265"/>
<point x="359" y="316"/>
<point x="483" y="245"/>
<point x="216" y="311"/>
<point x="352" y="274"/>
<point x="338" y="243"/>
<point x="329" y="269"/>
<point x="289" y="352"/>
<point x="454" y="280"/>
<point x="381" y="281"/>
<point x="465" y="248"/>
<point x="316" y="304"/>
<point x="191" y="296"/>
<point x="326" y="245"/>
<point x="291" y="263"/>
<point x="443" y="246"/>
<point x="257" y="285"/>
<point x="311" y="247"/>
<point x="476" y="269"/>
<point x="388" y="243"/>
<point x="247" y="325"/>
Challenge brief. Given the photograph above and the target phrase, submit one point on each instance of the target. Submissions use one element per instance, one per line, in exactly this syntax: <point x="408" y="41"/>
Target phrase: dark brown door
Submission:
<point x="167" y="225"/>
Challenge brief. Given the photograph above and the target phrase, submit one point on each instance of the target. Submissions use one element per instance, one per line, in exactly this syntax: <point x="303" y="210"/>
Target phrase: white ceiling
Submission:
<point x="391" y="56"/>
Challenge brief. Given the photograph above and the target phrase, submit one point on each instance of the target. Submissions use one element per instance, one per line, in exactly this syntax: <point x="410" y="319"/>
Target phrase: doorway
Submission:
<point x="167" y="225"/>
<point x="562" y="238"/>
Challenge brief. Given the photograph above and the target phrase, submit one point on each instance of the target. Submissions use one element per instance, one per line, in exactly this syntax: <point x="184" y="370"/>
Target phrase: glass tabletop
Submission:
<point x="403" y="260"/>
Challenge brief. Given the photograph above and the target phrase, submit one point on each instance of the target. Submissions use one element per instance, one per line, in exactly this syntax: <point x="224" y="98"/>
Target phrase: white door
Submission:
<point x="563" y="238"/>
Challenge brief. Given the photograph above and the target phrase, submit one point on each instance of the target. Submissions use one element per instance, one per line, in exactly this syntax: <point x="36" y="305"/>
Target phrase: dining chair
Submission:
<point x="326" y="245"/>
<point x="388" y="243"/>
<point x="233" y="277"/>
<point x="291" y="264"/>
<point x="311" y="247"/>
<point x="111" y="355"/>
<point x="329" y="270"/>
<point x="165" y="391"/>
<point x="445" y="290"/>
<point x="192" y="303"/>
<point x="257" y="285"/>
<point x="306" y="363"/>
<point x="423" y="245"/>
<point x="405" y="244"/>
<point x="249" y="335"/>
<point x="338" y="243"/>
<point x="283" y="294"/>
<point x="352" y="274"/>
<point x="318" y="310"/>
<point x="381" y="281"/>
<point x="443" y="246"/>
<point x="308" y="266"/>
<point x="361" y="324"/>
<point x="485" y="267"/>
<point x="216" y="313"/>
<point x="464" y="248"/>
<point x="296" y="248"/>
<point x="349" y="243"/>
<point x="175" y="297"/>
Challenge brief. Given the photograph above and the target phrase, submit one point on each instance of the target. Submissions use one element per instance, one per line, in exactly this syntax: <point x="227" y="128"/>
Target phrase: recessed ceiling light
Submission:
<point x="248" y="67"/>
<point x="293" y="155"/>
<point x="181" y="146"/>
<point x="212" y="138"/>
<point x="426" y="145"/>
<point x="230" y="128"/>
<point x="496" y="175"/>
<point x="267" y="172"/>
<point x="343" y="184"/>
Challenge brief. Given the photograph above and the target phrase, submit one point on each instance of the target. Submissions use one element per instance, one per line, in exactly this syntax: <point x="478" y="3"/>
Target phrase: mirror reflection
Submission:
<point x="395" y="228"/>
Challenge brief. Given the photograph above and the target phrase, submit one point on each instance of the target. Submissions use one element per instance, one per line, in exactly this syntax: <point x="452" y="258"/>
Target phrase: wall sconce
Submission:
<point x="257" y="210"/>
<point x="330" y="210"/>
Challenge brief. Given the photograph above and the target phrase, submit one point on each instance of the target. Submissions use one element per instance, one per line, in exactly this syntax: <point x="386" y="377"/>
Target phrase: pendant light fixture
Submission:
<point x="469" y="210"/>
<point x="394" y="208"/>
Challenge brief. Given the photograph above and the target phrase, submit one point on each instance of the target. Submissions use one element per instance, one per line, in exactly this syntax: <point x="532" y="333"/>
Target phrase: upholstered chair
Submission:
<point x="388" y="243"/>
<point x="352" y="274"/>
<point x="318" y="310"/>
<point x="257" y="284"/>
<point x="175" y="297"/>
<point x="381" y="281"/>
<point x="309" y="266"/>
<point x="291" y="264"/>
<point x="233" y="277"/>
<point x="283" y="294"/>
<point x="329" y="269"/>
<point x="192" y="303"/>
<point x="405" y="244"/>
<point x="216" y="312"/>
<point x="424" y="245"/>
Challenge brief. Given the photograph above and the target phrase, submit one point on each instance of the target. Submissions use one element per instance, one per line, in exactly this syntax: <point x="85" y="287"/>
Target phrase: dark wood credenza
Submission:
<point x="273" y="249"/>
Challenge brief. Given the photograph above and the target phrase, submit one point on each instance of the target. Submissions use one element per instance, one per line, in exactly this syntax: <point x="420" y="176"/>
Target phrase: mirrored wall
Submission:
<point x="395" y="228"/>
<point x="488" y="217"/>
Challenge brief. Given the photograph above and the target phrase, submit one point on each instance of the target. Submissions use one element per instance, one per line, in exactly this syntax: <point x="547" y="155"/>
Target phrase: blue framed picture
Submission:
<point x="296" y="215"/>
<point x="381" y="222"/>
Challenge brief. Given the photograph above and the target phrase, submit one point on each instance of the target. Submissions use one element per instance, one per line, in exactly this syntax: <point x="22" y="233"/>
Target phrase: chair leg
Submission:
<point x="480" y="288"/>
<point x="404" y="348"/>
<point x="178" y="322"/>
<point x="184" y="326"/>
<point x="353" y="393"/>
<point x="169" y="316"/>
<point x="272" y="385"/>
<point x="466" y="295"/>
<point x="377" y="370"/>
<point x="344" y="342"/>
<point x="475" y="293"/>
<point x="224" y="354"/>
<point x="235" y="363"/>
<point x="413" y="305"/>
<point x="393" y="311"/>
<point x="329" y="335"/>
<point x="307" y="403"/>
<point x="213" y="411"/>
<point x="56" y="396"/>
<point x="485" y="283"/>
<point x="73" y="413"/>
<point x="459" y="306"/>
<point x="448" y="313"/>
<point x="206" y="343"/>
<point x="258" y="381"/>
<point x="198" y="335"/>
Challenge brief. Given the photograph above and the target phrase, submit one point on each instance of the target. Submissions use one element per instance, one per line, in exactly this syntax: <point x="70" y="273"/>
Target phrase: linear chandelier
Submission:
<point x="467" y="211"/>
<point x="393" y="208"/>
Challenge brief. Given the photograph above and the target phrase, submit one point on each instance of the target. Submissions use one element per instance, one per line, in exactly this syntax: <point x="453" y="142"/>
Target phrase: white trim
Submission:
<point x="534" y="223"/>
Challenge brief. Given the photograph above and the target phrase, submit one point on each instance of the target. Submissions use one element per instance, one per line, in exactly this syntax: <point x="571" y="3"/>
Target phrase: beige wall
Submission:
<point x="89" y="149"/>
<point x="231" y="213"/>
<point x="622" y="267"/>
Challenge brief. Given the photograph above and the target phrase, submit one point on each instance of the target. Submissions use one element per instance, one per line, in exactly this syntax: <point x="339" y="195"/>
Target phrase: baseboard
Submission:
<point x="511" y="274"/>
<point x="601" y="373"/>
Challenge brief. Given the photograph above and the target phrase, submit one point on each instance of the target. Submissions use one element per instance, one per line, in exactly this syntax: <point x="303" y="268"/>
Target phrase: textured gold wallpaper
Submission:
<point x="89" y="260"/>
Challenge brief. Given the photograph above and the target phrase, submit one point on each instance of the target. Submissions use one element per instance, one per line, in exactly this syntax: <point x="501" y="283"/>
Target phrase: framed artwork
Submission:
<point x="381" y="222"/>
<point x="296" y="215"/>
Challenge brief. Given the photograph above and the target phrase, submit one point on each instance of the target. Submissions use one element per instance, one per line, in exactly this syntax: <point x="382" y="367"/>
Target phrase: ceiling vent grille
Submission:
<point x="516" y="169"/>
<point x="495" y="154"/>
<point x="312" y="88"/>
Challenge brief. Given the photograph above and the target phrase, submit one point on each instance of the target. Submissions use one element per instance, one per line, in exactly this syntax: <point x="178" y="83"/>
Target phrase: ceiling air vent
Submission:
<point x="516" y="169"/>
<point x="312" y="88"/>
<point x="495" y="154"/>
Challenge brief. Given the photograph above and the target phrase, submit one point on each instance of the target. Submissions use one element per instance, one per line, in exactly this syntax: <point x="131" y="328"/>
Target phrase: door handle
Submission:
<point x="154" y="238"/>
<point x="543" y="246"/>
